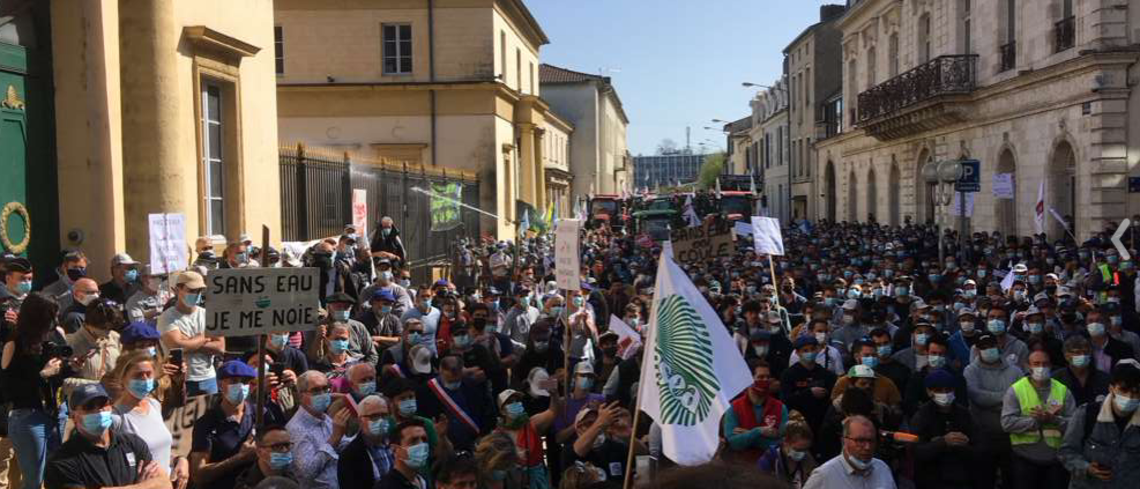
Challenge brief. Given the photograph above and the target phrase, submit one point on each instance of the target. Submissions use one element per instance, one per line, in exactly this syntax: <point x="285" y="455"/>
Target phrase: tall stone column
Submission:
<point x="149" y="43"/>
<point x="539" y="170"/>
<point x="527" y="164"/>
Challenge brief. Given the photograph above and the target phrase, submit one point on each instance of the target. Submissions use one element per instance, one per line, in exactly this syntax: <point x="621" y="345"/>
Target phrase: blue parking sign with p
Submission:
<point x="971" y="179"/>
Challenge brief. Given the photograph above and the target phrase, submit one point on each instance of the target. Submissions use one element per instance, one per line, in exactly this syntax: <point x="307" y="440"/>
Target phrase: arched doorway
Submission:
<point x="1005" y="208"/>
<point x="852" y="203"/>
<point x="923" y="193"/>
<point x="830" y="191"/>
<point x="1061" y="193"/>
<point x="872" y="196"/>
<point x="893" y="193"/>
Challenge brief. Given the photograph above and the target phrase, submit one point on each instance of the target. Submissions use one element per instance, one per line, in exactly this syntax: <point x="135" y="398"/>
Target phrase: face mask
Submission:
<point x="981" y="273"/>
<point x="996" y="326"/>
<point x="407" y="407"/>
<point x="1125" y="404"/>
<point x="386" y="231"/>
<point x="584" y="383"/>
<point x="417" y="455"/>
<point x="848" y="320"/>
<point x="280" y="461"/>
<point x="74" y="274"/>
<point x="1096" y="329"/>
<point x="386" y="276"/>
<point x="578" y="301"/>
<point x="150" y="350"/>
<point x="1115" y="320"/>
<point x="515" y="409"/>
<point x="760" y="350"/>
<point x="901" y="291"/>
<point x="405" y="283"/>
<point x="969" y="293"/>
<point x="943" y="399"/>
<point x="1079" y="360"/>
<point x="191" y="300"/>
<point x="452" y="385"/>
<point x="320" y="402"/>
<point x="237" y="393"/>
<point x="24" y="287"/>
<point x="340" y="316"/>
<point x="967" y="326"/>
<point x="934" y="277"/>
<point x="278" y="340"/>
<point x="88" y="299"/>
<point x="366" y="388"/>
<point x="1035" y="328"/>
<point x="991" y="355"/>
<point x="1019" y="295"/>
<point x="936" y="361"/>
<point x="884" y="351"/>
<point x="131" y="276"/>
<point x="97" y="423"/>
<point x="920" y="339"/>
<point x="1040" y="373"/>
<point x="858" y="464"/>
<point x="871" y="362"/>
<point x="378" y="427"/>
<point x="796" y="455"/>
<point x="338" y="346"/>
<point x="821" y="338"/>
<point x="462" y="341"/>
<point x="808" y="357"/>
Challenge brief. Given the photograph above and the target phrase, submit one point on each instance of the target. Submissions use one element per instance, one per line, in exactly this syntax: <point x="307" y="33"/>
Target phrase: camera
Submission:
<point x="53" y="350"/>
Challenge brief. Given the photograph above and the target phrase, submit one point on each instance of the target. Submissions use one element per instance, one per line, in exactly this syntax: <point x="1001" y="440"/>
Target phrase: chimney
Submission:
<point x="831" y="12"/>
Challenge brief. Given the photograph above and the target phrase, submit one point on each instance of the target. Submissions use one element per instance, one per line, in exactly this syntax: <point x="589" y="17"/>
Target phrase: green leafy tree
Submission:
<point x="710" y="170"/>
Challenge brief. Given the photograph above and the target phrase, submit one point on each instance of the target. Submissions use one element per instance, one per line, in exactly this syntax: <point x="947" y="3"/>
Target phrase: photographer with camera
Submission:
<point x="96" y="345"/>
<point x="32" y="369"/>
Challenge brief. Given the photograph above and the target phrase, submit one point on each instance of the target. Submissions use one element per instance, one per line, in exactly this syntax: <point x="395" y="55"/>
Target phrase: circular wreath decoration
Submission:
<point x="6" y="213"/>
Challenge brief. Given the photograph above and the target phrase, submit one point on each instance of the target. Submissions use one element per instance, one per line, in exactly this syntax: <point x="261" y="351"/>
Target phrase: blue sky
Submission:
<point x="681" y="61"/>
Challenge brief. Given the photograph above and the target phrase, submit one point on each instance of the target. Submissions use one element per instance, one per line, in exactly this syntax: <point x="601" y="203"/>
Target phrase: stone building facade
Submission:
<point x="770" y="139"/>
<point x="1038" y="90"/>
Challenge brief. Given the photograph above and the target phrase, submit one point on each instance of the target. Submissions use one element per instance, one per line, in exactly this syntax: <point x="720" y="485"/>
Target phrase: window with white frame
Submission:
<point x="397" y="49"/>
<point x="212" y="160"/>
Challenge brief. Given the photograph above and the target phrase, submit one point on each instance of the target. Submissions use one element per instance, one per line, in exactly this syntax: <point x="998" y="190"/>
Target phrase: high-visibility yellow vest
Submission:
<point x="1028" y="399"/>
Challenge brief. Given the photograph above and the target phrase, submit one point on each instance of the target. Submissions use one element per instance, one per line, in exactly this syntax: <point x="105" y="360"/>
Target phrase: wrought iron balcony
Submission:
<point x="1065" y="32"/>
<point x="944" y="75"/>
<point x="1008" y="54"/>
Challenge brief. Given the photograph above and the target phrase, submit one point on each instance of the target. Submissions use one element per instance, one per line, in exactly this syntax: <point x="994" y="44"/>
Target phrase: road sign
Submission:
<point x="567" y="271"/>
<point x="971" y="179"/>
<point x="253" y="301"/>
<point x="1120" y="248"/>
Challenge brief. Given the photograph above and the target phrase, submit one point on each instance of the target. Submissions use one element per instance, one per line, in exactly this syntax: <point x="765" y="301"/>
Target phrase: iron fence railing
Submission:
<point x="944" y="75"/>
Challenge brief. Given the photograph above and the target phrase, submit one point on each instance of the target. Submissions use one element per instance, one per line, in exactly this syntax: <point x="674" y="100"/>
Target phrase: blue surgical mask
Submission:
<point x="280" y="461"/>
<point x="585" y="383"/>
<point x="386" y="276"/>
<point x="1125" y="404"/>
<point x="278" y="340"/>
<point x="884" y="351"/>
<point x="462" y="341"/>
<point x="936" y="361"/>
<point x="378" y="427"/>
<point x="150" y="350"/>
<point x="338" y="346"/>
<point x="97" y="423"/>
<point x="131" y="276"/>
<point x="920" y="339"/>
<point x="140" y="387"/>
<point x="808" y="357"/>
<point x="996" y="326"/>
<point x="192" y="299"/>
<point x="407" y="407"/>
<point x="366" y="388"/>
<point x="515" y="409"/>
<point x="991" y="355"/>
<point x="1080" y="360"/>
<point x="413" y="338"/>
<point x="340" y="316"/>
<point x="320" y="402"/>
<point x="871" y="362"/>
<point x="417" y="455"/>
<point x="237" y="393"/>
<point x="24" y="287"/>
<point x="1096" y="329"/>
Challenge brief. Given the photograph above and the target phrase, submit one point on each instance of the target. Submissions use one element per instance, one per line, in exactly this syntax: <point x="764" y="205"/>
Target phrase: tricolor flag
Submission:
<point x="1039" y="211"/>
<point x="690" y="214"/>
<point x="691" y="369"/>
<point x="1057" y="216"/>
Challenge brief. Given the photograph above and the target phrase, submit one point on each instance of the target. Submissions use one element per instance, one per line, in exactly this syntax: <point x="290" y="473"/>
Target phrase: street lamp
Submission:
<point x="718" y="121"/>
<point x="941" y="177"/>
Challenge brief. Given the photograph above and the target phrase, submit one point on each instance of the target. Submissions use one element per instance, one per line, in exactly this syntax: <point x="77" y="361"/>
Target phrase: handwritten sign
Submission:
<point x="168" y="253"/>
<point x="710" y="241"/>
<point x="360" y="211"/>
<point x="567" y="271"/>
<point x="253" y="301"/>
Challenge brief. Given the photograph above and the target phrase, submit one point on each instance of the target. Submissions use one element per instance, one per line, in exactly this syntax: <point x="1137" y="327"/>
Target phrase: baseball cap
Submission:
<point x="803" y="341"/>
<point x="191" y="280"/>
<point x="122" y="259"/>
<point x="340" y="298"/>
<point x="537" y="376"/>
<point x="138" y="331"/>
<point x="586" y="411"/>
<point x="861" y="372"/>
<point x="18" y="264"/>
<point x="383" y="295"/>
<point x="236" y="368"/>
<point x="938" y="379"/>
<point x="421" y="359"/>
<point x="507" y="395"/>
<point x="87" y="393"/>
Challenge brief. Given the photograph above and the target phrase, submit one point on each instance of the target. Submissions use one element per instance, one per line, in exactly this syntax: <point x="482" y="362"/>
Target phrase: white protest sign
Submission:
<point x="767" y="237"/>
<point x="253" y="301"/>
<point x="360" y="211"/>
<point x="629" y="341"/>
<point x="1003" y="185"/>
<point x="567" y="271"/>
<point x="168" y="252"/>
<point x="742" y="229"/>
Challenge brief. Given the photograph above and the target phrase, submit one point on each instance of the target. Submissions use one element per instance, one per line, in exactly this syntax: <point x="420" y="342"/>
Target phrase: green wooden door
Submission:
<point x="13" y="138"/>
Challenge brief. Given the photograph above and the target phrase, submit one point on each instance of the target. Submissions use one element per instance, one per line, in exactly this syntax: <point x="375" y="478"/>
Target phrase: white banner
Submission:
<point x="767" y="236"/>
<point x="956" y="205"/>
<point x="567" y="271"/>
<point x="1003" y="185"/>
<point x="253" y="301"/>
<point x="168" y="251"/>
<point x="360" y="212"/>
<point x="629" y="341"/>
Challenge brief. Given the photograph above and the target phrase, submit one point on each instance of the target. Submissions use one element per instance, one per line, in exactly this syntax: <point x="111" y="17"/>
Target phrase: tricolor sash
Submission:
<point x="452" y="406"/>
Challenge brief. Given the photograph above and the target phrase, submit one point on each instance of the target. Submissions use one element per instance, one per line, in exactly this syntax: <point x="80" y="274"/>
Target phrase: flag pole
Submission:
<point x="772" y="269"/>
<point x="626" y="484"/>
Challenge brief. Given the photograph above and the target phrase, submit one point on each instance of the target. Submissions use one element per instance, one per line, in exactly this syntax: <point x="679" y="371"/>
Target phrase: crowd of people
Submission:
<point x="878" y="360"/>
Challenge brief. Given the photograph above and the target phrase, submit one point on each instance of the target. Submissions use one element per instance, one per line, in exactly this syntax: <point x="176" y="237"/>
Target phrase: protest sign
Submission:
<point x="629" y="341"/>
<point x="1003" y="185"/>
<point x="709" y="241"/>
<point x="567" y="271"/>
<point x="768" y="239"/>
<point x="445" y="213"/>
<point x="253" y="301"/>
<point x="360" y="211"/>
<point x="743" y="229"/>
<point x="168" y="252"/>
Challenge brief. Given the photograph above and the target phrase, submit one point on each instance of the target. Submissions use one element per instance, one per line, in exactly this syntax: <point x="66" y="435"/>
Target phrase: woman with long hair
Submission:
<point x="138" y="409"/>
<point x="32" y="369"/>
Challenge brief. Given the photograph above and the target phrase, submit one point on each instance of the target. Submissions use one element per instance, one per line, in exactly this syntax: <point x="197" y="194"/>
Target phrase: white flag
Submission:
<point x="766" y="235"/>
<point x="1057" y="216"/>
<point x="1039" y="210"/>
<point x="691" y="214"/>
<point x="691" y="369"/>
<point x="629" y="341"/>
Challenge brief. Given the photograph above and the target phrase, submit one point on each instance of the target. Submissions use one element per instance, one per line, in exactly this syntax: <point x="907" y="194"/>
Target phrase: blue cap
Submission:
<point x="803" y="341"/>
<point x="236" y="368"/>
<point x="442" y="283"/>
<point x="86" y="393"/>
<point x="138" y="331"/>
<point x="760" y="334"/>
<point x="938" y="379"/>
<point x="383" y="295"/>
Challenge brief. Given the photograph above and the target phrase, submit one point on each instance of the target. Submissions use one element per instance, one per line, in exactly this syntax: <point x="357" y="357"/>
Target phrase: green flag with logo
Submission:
<point x="445" y="200"/>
